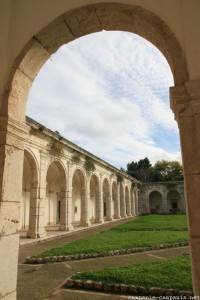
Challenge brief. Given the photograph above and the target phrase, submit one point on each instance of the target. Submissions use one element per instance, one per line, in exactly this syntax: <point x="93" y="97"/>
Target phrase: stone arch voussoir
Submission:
<point x="77" y="23"/>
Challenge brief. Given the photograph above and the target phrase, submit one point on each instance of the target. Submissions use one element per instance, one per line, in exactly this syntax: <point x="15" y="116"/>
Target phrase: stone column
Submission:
<point x="136" y="201"/>
<point x="99" y="208"/>
<point x="132" y="202"/>
<point x="100" y="218"/>
<point x="66" y="203"/>
<point x="181" y="189"/>
<point x="146" y="196"/>
<point x="85" y="197"/>
<point x="37" y="202"/>
<point x="122" y="201"/>
<point x="12" y="139"/>
<point x="129" y="204"/>
<point x="108" y="203"/>
<point x="117" y="213"/>
<point x="185" y="102"/>
<point x="164" y="201"/>
<point x="36" y="218"/>
<point x="41" y="202"/>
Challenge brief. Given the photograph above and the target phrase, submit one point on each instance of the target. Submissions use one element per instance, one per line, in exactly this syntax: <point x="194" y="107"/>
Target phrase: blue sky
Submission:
<point x="108" y="92"/>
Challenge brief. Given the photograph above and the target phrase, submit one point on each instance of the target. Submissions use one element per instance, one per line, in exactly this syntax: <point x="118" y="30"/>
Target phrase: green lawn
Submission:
<point x="173" y="273"/>
<point x="155" y="223"/>
<point x="126" y="236"/>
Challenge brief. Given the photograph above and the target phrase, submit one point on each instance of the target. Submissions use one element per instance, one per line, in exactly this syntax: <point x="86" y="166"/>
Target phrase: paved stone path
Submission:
<point x="45" y="281"/>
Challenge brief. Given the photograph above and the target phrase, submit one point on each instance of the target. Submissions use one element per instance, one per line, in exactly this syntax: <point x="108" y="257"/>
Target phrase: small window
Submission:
<point x="75" y="209"/>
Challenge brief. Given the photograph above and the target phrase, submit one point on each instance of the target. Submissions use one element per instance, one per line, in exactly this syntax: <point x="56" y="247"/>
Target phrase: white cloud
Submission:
<point x="108" y="92"/>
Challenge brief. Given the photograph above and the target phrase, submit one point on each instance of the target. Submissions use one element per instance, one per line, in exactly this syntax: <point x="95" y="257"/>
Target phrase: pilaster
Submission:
<point x="185" y="102"/>
<point x="85" y="198"/>
<point x="99" y="216"/>
<point x="12" y="139"/>
<point x="66" y="203"/>
<point x="122" y="201"/>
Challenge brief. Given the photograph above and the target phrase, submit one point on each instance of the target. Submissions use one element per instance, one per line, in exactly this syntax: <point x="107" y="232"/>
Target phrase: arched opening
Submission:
<point x="28" y="217"/>
<point x="94" y="200"/>
<point x="155" y="203"/>
<point x="174" y="202"/>
<point x="78" y="199"/>
<point x="99" y="16"/>
<point x="56" y="190"/>
<point x="115" y="213"/>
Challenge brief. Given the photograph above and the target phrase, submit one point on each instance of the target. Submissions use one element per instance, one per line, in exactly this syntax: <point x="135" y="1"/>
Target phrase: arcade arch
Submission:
<point x="74" y="24"/>
<point x="29" y="196"/>
<point x="156" y="202"/>
<point x="78" y="198"/>
<point x="94" y="199"/>
<point x="56" y="190"/>
<point x="174" y="202"/>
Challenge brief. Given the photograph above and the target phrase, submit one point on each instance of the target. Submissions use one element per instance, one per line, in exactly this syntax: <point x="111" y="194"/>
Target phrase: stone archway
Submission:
<point x="56" y="190"/>
<point x="29" y="211"/>
<point x="106" y="199"/>
<point x="155" y="202"/>
<point x="67" y="27"/>
<point x="79" y="199"/>
<point x="94" y="201"/>
<point x="174" y="202"/>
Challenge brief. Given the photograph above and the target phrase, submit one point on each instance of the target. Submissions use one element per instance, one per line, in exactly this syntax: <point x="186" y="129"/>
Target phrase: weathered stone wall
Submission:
<point x="60" y="190"/>
<point x="162" y="197"/>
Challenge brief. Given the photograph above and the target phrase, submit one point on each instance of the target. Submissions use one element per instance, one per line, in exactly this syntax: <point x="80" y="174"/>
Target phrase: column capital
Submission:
<point x="185" y="99"/>
<point x="13" y="132"/>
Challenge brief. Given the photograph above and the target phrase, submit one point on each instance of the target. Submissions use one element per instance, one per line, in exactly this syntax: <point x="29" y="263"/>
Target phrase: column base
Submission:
<point x="36" y="235"/>
<point x="101" y="221"/>
<point x="69" y="227"/>
<point x="117" y="217"/>
<point x="86" y="224"/>
<point x="109" y="218"/>
<point x="124" y="216"/>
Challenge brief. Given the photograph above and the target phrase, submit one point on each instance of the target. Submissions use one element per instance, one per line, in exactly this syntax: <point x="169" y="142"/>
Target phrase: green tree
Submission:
<point x="140" y="170"/>
<point x="167" y="171"/>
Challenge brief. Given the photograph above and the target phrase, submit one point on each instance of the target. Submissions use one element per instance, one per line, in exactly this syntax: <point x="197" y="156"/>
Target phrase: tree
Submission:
<point x="167" y="171"/>
<point x="163" y="170"/>
<point x="140" y="170"/>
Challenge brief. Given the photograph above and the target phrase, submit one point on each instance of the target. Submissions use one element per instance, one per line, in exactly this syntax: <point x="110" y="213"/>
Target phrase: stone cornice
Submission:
<point x="185" y="100"/>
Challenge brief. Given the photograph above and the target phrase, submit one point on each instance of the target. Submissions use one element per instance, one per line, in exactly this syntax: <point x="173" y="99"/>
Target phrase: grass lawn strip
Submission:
<point x="167" y="274"/>
<point x="115" y="240"/>
<point x="139" y="233"/>
<point x="155" y="223"/>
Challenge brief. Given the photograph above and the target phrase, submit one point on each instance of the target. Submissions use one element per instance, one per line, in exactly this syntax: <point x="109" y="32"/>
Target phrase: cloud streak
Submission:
<point x="108" y="92"/>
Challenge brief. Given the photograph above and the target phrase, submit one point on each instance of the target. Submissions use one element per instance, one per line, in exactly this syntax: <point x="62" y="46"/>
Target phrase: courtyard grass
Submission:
<point x="126" y="236"/>
<point x="155" y="223"/>
<point x="167" y="274"/>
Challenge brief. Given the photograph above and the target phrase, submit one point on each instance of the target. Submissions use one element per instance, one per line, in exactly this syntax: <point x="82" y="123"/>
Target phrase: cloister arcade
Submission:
<point x="72" y="196"/>
<point x="163" y="198"/>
